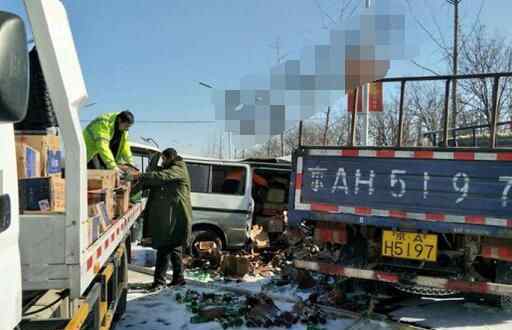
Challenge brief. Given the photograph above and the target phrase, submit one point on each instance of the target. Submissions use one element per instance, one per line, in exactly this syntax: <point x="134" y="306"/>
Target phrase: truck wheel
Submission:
<point x="504" y="275"/>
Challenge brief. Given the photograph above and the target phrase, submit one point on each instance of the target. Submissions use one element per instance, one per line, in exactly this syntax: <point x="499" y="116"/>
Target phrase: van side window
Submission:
<point x="228" y="180"/>
<point x="199" y="177"/>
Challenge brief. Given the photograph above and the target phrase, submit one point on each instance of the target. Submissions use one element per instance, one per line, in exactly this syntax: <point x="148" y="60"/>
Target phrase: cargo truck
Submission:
<point x="428" y="220"/>
<point x="51" y="277"/>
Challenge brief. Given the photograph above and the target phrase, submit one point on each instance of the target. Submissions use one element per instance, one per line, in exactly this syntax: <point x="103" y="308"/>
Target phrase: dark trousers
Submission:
<point x="162" y="263"/>
<point x="96" y="163"/>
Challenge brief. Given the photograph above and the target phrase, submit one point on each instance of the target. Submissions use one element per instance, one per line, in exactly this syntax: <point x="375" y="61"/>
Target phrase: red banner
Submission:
<point x="375" y="99"/>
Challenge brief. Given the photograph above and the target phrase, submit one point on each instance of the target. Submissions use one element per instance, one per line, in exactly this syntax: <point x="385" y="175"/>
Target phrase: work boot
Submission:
<point x="177" y="281"/>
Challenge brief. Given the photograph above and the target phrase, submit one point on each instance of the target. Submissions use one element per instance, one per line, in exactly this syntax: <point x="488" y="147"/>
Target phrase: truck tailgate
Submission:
<point x="445" y="188"/>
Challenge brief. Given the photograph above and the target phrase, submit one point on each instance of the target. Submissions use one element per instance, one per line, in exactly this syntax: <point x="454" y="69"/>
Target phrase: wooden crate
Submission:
<point x="122" y="202"/>
<point x="101" y="179"/>
<point x="102" y="196"/>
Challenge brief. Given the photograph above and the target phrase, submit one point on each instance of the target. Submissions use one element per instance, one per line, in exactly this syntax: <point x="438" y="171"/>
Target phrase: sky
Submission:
<point x="148" y="56"/>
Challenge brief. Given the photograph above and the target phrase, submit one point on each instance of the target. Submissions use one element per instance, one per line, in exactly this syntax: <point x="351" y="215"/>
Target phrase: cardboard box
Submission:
<point x="28" y="161"/>
<point x="48" y="146"/>
<point x="105" y="196"/>
<point x="236" y="266"/>
<point x="101" y="179"/>
<point x="45" y="194"/>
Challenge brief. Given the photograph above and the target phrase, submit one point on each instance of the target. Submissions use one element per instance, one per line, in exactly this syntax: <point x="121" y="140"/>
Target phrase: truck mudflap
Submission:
<point x="388" y="277"/>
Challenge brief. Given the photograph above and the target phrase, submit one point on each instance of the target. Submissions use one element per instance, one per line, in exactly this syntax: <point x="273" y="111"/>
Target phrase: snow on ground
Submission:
<point x="454" y="315"/>
<point x="161" y="311"/>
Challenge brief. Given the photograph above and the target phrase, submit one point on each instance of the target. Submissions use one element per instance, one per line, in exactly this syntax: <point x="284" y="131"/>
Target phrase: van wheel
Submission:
<point x="212" y="255"/>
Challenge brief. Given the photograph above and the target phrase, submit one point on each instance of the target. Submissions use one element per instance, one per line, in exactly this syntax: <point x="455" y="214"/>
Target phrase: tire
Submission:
<point x="206" y="235"/>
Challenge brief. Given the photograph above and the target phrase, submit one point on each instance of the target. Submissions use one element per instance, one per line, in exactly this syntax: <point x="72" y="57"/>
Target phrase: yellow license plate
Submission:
<point x="414" y="246"/>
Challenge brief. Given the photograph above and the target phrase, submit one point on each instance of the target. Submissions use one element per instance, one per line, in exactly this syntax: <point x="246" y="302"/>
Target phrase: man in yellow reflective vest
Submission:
<point x="106" y="140"/>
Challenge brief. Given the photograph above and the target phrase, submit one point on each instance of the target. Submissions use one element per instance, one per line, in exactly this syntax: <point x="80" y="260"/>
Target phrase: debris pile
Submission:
<point x="252" y="311"/>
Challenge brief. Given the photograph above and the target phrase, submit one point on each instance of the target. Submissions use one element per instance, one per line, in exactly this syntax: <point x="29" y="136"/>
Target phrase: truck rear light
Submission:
<point x="331" y="233"/>
<point x="498" y="250"/>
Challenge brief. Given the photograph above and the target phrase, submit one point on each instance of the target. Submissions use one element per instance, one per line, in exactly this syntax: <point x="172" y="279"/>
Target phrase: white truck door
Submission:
<point x="10" y="267"/>
<point x="13" y="107"/>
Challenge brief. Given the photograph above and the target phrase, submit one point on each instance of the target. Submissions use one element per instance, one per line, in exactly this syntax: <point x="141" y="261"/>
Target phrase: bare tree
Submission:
<point x="483" y="54"/>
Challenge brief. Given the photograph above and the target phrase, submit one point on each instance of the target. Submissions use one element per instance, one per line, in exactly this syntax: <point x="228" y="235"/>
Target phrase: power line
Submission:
<point x="166" y="121"/>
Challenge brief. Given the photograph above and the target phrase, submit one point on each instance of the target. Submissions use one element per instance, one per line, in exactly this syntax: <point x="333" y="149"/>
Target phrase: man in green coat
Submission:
<point x="106" y="140"/>
<point x="168" y="215"/>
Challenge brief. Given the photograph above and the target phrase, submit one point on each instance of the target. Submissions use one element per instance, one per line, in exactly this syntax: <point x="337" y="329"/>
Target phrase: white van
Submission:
<point x="226" y="201"/>
<point x="222" y="204"/>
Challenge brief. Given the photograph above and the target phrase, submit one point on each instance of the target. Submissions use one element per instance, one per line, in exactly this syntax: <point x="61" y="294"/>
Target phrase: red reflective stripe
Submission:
<point x="385" y="153"/>
<point x="324" y="234"/>
<point x="89" y="263"/>
<point x="112" y="237"/>
<point x="398" y="214"/>
<point x="363" y="210"/>
<point x="435" y="216"/>
<point x="424" y="154"/>
<point x="298" y="181"/>
<point x="465" y="286"/>
<point x="461" y="155"/>
<point x="98" y="252"/>
<point x="106" y="244"/>
<point x="387" y="277"/>
<point x="350" y="152"/>
<point x="505" y="253"/>
<point x="475" y="219"/>
<point x="323" y="207"/>
<point x="331" y="269"/>
<point x="509" y="223"/>
<point x="504" y="156"/>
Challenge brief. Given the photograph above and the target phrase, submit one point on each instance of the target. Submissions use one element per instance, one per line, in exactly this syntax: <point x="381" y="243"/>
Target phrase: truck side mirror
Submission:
<point x="13" y="68"/>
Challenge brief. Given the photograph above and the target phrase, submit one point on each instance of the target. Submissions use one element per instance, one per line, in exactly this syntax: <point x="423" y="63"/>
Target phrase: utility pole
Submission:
<point x="365" y="91"/>
<point x="326" y="125"/>
<point x="282" y="144"/>
<point x="277" y="47"/>
<point x="455" y="4"/>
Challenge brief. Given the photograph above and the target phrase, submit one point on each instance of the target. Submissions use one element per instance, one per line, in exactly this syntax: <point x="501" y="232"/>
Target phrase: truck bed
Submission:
<point x="48" y="250"/>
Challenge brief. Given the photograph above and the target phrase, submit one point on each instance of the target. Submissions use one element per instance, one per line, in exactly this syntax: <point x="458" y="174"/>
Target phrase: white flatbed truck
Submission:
<point x="47" y="254"/>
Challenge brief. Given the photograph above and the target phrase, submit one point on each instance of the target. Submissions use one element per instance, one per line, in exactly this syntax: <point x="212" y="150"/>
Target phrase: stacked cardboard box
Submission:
<point x="28" y="161"/>
<point x="100" y="186"/>
<point x="41" y="188"/>
<point x="48" y="146"/>
<point x="42" y="194"/>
